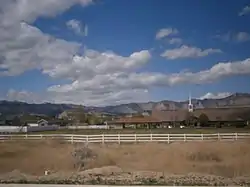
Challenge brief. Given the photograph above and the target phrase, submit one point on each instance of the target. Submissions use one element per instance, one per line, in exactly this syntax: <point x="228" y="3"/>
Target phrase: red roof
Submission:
<point x="145" y="119"/>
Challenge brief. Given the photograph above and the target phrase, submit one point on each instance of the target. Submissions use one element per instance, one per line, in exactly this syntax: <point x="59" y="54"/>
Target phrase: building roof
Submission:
<point x="30" y="121"/>
<point x="133" y="120"/>
<point x="170" y="115"/>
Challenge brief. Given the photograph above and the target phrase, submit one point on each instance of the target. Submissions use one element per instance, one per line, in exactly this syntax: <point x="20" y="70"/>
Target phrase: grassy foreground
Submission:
<point x="204" y="163"/>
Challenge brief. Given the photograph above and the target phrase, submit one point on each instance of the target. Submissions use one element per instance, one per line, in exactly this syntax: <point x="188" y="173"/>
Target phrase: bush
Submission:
<point x="82" y="155"/>
<point x="203" y="119"/>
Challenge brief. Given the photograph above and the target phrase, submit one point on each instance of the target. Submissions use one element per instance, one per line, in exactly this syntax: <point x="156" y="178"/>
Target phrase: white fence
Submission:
<point x="131" y="138"/>
<point x="16" y="129"/>
<point x="89" y="127"/>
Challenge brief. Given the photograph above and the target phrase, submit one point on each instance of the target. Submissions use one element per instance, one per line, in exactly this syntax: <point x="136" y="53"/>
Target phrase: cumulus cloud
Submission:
<point x="244" y="11"/>
<point x="25" y="96"/>
<point x="77" y="27"/>
<point x="188" y="52"/>
<point x="162" y="33"/>
<point x="120" y="87"/>
<point x="234" y="37"/>
<point x="220" y="95"/>
<point x="84" y="97"/>
<point x="28" y="10"/>
<point x="105" y="84"/>
<point x="95" y="77"/>
<point x="24" y="47"/>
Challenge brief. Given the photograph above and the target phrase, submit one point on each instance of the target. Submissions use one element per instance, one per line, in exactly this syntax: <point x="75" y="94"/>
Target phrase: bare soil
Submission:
<point x="193" y="163"/>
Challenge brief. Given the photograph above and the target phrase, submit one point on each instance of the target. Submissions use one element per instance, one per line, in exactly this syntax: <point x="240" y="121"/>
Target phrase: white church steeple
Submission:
<point x="190" y="105"/>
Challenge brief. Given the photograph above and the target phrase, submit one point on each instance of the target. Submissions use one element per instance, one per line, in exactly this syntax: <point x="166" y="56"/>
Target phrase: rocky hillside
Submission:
<point x="10" y="107"/>
<point x="237" y="99"/>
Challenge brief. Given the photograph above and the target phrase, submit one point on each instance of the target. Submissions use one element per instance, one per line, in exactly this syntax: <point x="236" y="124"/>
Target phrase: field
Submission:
<point x="191" y="163"/>
<point x="147" y="131"/>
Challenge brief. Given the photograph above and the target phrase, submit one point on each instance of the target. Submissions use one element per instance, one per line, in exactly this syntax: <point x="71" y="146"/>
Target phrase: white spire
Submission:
<point x="190" y="105"/>
<point x="190" y="99"/>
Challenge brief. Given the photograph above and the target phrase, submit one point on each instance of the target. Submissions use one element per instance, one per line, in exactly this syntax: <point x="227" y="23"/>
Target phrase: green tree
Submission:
<point x="92" y="119"/>
<point x="203" y="119"/>
<point x="190" y="119"/>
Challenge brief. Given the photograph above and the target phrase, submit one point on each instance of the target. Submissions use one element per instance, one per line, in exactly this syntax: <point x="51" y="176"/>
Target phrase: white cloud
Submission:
<point x="101" y="86"/>
<point x="120" y="87"/>
<point x="220" y="95"/>
<point x="96" y="63"/>
<point x="245" y="11"/>
<point x="25" y="96"/>
<point x="96" y="78"/>
<point x="188" y="52"/>
<point x="28" y="10"/>
<point x="77" y="27"/>
<point x="162" y="33"/>
<point x="85" y="97"/>
<point x="234" y="37"/>
<point x="24" y="47"/>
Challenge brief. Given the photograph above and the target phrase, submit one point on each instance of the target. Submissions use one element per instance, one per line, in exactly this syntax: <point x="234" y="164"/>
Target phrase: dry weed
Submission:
<point x="229" y="159"/>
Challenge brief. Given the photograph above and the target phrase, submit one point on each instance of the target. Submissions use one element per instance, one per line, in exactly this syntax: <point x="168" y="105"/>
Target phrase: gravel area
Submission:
<point x="112" y="175"/>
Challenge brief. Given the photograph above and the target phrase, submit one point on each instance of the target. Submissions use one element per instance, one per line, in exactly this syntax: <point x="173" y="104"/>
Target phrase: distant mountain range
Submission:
<point x="15" y="107"/>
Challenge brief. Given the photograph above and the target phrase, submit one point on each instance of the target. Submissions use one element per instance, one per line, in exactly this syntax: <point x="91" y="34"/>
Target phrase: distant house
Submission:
<point x="43" y="122"/>
<point x="146" y="113"/>
<point x="37" y="123"/>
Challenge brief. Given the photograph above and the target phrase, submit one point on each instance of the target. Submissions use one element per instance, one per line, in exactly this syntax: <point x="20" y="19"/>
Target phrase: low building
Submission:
<point x="222" y="114"/>
<point x="135" y="122"/>
<point x="36" y="123"/>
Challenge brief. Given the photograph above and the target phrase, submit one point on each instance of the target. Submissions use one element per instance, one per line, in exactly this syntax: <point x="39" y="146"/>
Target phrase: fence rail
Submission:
<point x="129" y="138"/>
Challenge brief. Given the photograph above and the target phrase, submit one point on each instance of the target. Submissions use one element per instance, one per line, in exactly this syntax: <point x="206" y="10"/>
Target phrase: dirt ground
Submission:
<point x="228" y="159"/>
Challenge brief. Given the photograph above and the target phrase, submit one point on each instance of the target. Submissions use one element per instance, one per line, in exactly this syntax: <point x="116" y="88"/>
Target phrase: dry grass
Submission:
<point x="229" y="159"/>
<point x="35" y="157"/>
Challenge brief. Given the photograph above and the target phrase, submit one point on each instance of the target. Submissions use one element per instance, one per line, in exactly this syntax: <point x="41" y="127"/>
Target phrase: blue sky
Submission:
<point x="171" y="38"/>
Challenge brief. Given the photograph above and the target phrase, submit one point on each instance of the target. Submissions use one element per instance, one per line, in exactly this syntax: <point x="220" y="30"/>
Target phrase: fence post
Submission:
<point x="135" y="139"/>
<point x="185" y="139"/>
<point x="72" y="139"/>
<point x="87" y="138"/>
<point x="151" y="137"/>
<point x="236" y="136"/>
<point x="103" y="139"/>
<point x="41" y="136"/>
<point x="26" y="136"/>
<point x="168" y="138"/>
<point x="202" y="137"/>
<point x="119" y="139"/>
<point x="219" y="136"/>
